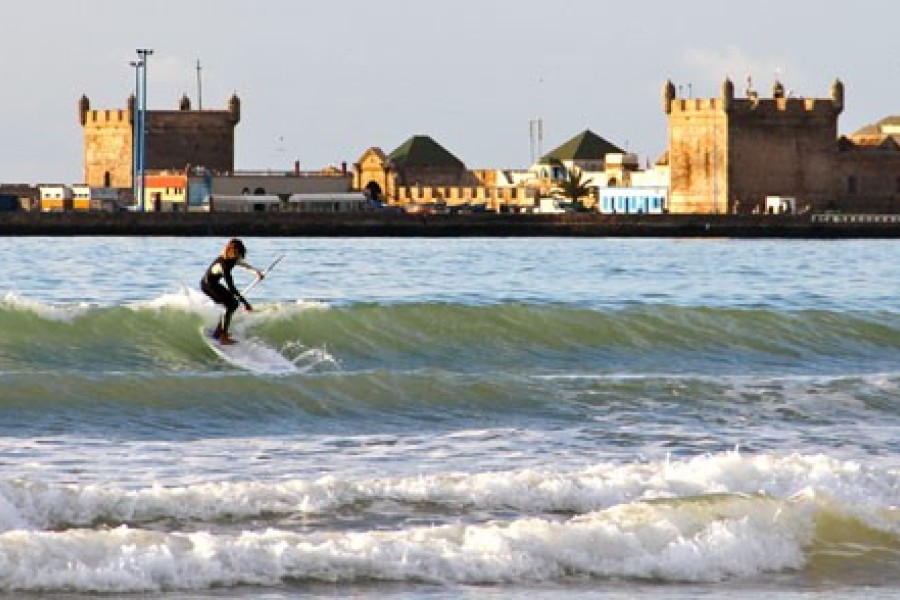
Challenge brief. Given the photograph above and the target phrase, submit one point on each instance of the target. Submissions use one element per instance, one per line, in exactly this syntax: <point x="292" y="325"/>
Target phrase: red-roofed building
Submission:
<point x="166" y="192"/>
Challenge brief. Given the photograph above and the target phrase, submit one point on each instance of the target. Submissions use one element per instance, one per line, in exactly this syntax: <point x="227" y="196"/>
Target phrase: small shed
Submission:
<point x="779" y="205"/>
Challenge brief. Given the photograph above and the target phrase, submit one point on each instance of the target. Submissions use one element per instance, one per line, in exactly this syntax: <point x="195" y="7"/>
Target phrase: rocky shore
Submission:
<point x="400" y="225"/>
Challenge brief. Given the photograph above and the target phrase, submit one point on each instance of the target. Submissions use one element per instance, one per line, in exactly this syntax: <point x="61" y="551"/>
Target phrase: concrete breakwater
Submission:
<point x="400" y="225"/>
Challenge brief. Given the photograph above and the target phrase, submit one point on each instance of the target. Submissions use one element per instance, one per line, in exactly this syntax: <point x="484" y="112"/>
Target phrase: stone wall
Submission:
<point x="477" y="225"/>
<point x="867" y="180"/>
<point x="177" y="139"/>
<point x="698" y="151"/>
<point x="782" y="147"/>
<point x="727" y="154"/>
<point x="108" y="148"/>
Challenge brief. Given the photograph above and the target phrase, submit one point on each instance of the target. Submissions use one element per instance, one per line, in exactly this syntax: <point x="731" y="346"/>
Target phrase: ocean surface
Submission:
<point x="461" y="418"/>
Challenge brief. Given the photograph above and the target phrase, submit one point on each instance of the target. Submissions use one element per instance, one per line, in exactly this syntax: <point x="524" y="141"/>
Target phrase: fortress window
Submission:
<point x="852" y="184"/>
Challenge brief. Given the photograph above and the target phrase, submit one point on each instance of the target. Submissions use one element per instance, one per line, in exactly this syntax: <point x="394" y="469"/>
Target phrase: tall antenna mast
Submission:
<point x="199" y="88"/>
<point x="540" y="132"/>
<point x="536" y="134"/>
<point x="531" y="138"/>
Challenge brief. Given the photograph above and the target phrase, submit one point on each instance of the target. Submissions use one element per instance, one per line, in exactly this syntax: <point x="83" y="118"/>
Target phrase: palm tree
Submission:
<point x="575" y="188"/>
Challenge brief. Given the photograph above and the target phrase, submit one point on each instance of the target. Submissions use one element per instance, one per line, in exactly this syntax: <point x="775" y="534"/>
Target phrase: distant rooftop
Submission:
<point x="587" y="145"/>
<point x="422" y="151"/>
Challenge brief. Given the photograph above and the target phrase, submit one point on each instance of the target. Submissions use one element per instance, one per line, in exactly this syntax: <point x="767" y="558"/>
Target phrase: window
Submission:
<point x="852" y="184"/>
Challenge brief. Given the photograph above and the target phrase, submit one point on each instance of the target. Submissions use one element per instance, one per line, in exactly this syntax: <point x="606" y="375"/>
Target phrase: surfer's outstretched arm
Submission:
<point x="243" y="263"/>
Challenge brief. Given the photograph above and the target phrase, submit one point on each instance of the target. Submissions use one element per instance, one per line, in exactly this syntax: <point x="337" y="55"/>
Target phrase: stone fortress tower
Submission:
<point x="727" y="154"/>
<point x="176" y="140"/>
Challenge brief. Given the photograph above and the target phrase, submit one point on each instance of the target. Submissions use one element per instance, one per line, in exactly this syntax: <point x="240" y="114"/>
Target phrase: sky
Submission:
<point x="320" y="82"/>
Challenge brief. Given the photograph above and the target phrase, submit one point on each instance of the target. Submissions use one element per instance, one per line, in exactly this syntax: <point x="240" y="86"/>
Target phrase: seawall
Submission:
<point x="401" y="225"/>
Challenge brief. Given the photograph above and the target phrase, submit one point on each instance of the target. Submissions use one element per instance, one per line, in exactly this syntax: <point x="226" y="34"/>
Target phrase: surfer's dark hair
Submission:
<point x="235" y="249"/>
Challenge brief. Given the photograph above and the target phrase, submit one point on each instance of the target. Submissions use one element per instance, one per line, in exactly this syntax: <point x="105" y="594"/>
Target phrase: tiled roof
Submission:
<point x="422" y="151"/>
<point x="587" y="145"/>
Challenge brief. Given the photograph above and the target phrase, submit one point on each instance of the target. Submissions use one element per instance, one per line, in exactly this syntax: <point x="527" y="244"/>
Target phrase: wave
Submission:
<point x="162" y="335"/>
<point x="706" y="519"/>
<point x="139" y="368"/>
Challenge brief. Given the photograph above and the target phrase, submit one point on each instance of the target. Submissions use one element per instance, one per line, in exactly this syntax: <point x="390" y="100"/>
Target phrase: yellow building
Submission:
<point x="165" y="193"/>
<point x="55" y="198"/>
<point x="422" y="176"/>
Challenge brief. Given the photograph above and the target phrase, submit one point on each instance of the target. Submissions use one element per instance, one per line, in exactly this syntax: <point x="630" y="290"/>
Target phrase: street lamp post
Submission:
<point x="135" y="128"/>
<point x="144" y="54"/>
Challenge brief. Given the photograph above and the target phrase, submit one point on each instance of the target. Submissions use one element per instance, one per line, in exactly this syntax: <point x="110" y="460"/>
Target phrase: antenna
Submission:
<point x="199" y="88"/>
<point x="540" y="136"/>
<point x="536" y="135"/>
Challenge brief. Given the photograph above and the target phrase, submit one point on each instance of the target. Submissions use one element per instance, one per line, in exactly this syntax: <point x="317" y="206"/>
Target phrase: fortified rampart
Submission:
<point x="868" y="180"/>
<point x="727" y="154"/>
<point x="491" y="198"/>
<point x="176" y="139"/>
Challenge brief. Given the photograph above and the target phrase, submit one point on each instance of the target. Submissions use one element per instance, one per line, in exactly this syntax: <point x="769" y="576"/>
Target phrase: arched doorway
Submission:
<point x="374" y="191"/>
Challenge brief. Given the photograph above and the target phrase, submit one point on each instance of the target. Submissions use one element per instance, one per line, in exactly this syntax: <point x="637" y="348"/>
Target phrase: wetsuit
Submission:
<point x="229" y="296"/>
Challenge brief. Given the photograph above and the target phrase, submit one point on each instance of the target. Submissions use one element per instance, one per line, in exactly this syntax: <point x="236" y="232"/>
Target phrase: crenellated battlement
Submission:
<point x="695" y="105"/>
<point x="778" y="105"/>
<point x="115" y="115"/>
<point x="762" y="107"/>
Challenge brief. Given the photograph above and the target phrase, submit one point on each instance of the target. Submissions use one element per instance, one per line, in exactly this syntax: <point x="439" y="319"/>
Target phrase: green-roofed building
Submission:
<point x="586" y="152"/>
<point x="422" y="161"/>
<point x="419" y="162"/>
<point x="423" y="151"/>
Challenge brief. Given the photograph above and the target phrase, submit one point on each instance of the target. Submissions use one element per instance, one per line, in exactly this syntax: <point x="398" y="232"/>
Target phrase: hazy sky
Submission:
<point x="320" y="82"/>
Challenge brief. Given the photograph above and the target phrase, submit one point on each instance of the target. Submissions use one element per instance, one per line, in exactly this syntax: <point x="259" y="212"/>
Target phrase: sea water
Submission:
<point x="468" y="418"/>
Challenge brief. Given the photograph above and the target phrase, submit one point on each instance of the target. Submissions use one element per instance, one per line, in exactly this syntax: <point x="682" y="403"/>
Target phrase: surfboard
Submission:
<point x="250" y="355"/>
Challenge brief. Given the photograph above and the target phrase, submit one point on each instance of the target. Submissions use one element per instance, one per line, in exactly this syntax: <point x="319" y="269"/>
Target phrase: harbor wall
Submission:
<point x="406" y="225"/>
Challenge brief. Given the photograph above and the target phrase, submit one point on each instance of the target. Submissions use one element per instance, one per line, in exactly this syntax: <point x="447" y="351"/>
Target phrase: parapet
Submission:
<point x="780" y="102"/>
<point x="105" y="116"/>
<point x="87" y="115"/>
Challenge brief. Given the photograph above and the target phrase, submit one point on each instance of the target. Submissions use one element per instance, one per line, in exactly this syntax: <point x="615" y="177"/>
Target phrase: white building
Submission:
<point x="632" y="200"/>
<point x="329" y="203"/>
<point x="85" y="197"/>
<point x="55" y="197"/>
<point x="242" y="203"/>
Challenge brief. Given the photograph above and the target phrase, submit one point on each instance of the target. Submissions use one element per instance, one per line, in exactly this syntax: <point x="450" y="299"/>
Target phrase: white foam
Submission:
<point x="868" y="490"/>
<point x="185" y="298"/>
<point x="676" y="543"/>
<point x="45" y="310"/>
<point x="704" y="519"/>
<point x="193" y="300"/>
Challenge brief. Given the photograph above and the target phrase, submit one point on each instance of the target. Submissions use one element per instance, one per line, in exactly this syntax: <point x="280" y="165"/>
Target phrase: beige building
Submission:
<point x="421" y="175"/>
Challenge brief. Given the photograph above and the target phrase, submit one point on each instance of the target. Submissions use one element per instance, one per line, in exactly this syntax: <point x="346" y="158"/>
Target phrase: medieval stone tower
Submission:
<point x="727" y="154"/>
<point x="176" y="140"/>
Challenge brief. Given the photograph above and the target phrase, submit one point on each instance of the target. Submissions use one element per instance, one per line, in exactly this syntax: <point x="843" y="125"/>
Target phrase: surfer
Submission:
<point x="229" y="296"/>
